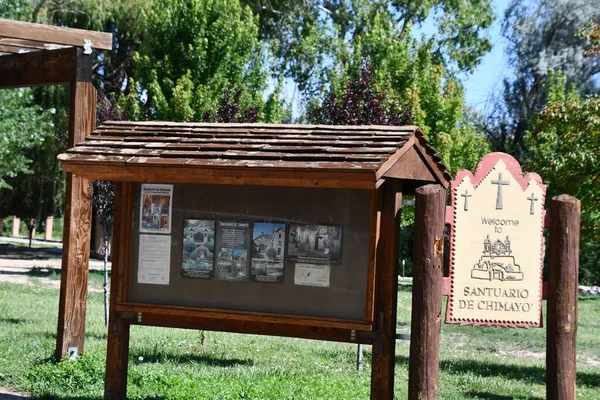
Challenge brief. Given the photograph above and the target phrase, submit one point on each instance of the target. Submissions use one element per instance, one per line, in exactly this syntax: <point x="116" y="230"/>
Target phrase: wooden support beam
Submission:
<point x="76" y="232"/>
<point x="386" y="293"/>
<point x="561" y="327"/>
<point x="54" y="34"/>
<point x="117" y="351"/>
<point x="45" y="67"/>
<point x="427" y="293"/>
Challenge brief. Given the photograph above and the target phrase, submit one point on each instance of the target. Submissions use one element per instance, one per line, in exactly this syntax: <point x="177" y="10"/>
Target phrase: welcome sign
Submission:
<point x="497" y="245"/>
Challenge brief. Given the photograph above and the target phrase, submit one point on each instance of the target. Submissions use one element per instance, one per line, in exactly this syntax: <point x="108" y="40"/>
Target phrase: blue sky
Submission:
<point x="487" y="78"/>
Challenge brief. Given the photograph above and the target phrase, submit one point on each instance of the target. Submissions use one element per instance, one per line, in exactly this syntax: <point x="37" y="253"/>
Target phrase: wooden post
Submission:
<point x="49" y="226"/>
<point x="117" y="351"/>
<point x="561" y="327"/>
<point x="16" y="225"/>
<point x="386" y="294"/>
<point x="426" y="319"/>
<point x="70" y="335"/>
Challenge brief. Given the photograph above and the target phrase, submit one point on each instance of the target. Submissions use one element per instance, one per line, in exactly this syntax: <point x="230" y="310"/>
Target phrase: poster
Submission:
<point x="315" y="244"/>
<point x="155" y="208"/>
<point x="154" y="259"/>
<point x="198" y="248"/>
<point x="312" y="274"/>
<point x="268" y="248"/>
<point x="233" y="250"/>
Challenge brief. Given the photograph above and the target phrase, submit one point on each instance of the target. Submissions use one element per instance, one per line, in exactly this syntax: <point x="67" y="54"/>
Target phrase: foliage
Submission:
<point x="198" y="55"/>
<point x="360" y="103"/>
<point x="23" y="126"/>
<point x="306" y="36"/>
<point x="565" y="148"/>
<point x="592" y="34"/>
<point x="542" y="35"/>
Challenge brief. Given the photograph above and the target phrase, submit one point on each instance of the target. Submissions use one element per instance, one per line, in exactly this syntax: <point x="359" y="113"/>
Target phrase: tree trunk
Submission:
<point x="106" y="232"/>
<point x="30" y="228"/>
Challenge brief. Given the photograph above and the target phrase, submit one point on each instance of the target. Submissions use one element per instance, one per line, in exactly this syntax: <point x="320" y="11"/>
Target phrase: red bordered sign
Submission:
<point x="497" y="245"/>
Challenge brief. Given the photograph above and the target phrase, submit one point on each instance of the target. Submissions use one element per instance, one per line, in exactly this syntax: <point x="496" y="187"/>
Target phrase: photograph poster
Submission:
<point x="268" y="248"/>
<point x="197" y="259"/>
<point x="315" y="244"/>
<point x="233" y="250"/>
<point x="154" y="262"/>
<point x="155" y="208"/>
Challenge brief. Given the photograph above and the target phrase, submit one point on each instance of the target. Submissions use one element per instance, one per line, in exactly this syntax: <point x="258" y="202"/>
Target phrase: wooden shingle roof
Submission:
<point x="294" y="155"/>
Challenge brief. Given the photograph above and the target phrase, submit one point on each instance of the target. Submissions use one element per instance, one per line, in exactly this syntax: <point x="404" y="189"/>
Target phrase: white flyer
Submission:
<point x="154" y="263"/>
<point x="312" y="274"/>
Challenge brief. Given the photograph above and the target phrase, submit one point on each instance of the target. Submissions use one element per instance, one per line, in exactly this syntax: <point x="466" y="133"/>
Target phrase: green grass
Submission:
<point x="476" y="363"/>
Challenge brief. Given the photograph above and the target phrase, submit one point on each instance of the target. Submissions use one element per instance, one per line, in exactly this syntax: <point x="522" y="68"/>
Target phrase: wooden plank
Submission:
<point x="45" y="67"/>
<point x="425" y="328"/>
<point x="375" y="209"/>
<point x="443" y="178"/>
<point x="30" y="44"/>
<point x="412" y="167"/>
<point x="250" y="327"/>
<point x="386" y="294"/>
<point x="561" y="329"/>
<point x="11" y="49"/>
<point x="54" y="34"/>
<point x="76" y="236"/>
<point x="117" y="350"/>
<point x="264" y="126"/>
<point x="244" y="316"/>
<point x="362" y="179"/>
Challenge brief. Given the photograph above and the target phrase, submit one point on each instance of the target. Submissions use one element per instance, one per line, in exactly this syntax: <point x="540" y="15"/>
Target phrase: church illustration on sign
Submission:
<point x="496" y="262"/>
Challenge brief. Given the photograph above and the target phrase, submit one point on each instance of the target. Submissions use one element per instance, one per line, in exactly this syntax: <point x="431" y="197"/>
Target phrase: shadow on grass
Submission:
<point x="15" y="321"/>
<point x="25" y="253"/>
<point x="491" y="396"/>
<point x="508" y="371"/>
<point x="67" y="396"/>
<point x="204" y="359"/>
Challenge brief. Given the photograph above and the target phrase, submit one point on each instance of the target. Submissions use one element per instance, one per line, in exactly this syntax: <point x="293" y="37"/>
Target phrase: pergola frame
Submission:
<point x="34" y="55"/>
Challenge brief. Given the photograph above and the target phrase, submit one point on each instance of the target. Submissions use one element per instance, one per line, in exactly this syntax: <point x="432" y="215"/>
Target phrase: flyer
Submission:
<point x="154" y="259"/>
<point x="197" y="259"/>
<point x="315" y="244"/>
<point x="268" y="248"/>
<point x="312" y="274"/>
<point x="233" y="250"/>
<point x="155" y="208"/>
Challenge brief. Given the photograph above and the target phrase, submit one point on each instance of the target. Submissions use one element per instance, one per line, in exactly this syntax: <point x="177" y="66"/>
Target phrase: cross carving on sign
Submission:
<point x="532" y="198"/>
<point x="466" y="195"/>
<point x="500" y="183"/>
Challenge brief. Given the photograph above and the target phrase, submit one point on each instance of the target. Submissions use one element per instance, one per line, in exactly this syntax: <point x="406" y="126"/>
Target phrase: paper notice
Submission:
<point x="312" y="274"/>
<point x="154" y="259"/>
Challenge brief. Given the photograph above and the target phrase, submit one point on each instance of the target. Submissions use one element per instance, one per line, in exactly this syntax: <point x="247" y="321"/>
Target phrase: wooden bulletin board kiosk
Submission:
<point x="287" y="230"/>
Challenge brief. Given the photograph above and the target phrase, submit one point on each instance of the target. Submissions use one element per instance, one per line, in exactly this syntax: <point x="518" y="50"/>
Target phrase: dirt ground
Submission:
<point x="19" y="264"/>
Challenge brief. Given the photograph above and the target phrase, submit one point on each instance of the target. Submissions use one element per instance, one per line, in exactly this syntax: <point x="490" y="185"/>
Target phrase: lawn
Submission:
<point x="476" y="363"/>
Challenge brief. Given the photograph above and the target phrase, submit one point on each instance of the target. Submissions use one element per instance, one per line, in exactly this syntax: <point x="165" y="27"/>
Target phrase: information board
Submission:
<point x="282" y="250"/>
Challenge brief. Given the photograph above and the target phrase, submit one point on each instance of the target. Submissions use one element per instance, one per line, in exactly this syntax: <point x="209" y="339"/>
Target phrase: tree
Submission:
<point x="196" y="55"/>
<point x="306" y="35"/>
<point x="542" y="35"/>
<point x="23" y="126"/>
<point x="564" y="146"/>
